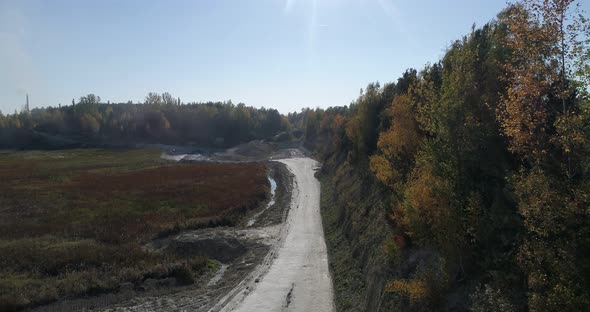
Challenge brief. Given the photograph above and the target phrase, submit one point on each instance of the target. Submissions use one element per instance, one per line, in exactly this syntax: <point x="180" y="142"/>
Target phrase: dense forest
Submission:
<point x="160" y="119"/>
<point x="482" y="158"/>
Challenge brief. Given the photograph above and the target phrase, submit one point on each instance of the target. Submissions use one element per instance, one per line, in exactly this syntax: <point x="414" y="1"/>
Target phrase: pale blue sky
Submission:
<point x="285" y="54"/>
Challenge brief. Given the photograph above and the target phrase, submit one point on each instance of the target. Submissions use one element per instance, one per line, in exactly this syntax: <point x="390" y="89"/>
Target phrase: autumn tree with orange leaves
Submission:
<point x="548" y="44"/>
<point x="544" y="114"/>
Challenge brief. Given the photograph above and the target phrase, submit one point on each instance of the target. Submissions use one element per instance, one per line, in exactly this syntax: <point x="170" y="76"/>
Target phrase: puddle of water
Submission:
<point x="217" y="276"/>
<point x="273" y="189"/>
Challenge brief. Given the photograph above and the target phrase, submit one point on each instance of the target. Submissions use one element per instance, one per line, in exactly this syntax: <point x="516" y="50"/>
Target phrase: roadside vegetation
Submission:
<point x="75" y="222"/>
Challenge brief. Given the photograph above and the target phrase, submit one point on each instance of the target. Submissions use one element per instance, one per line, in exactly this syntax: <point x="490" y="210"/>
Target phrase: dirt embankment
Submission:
<point x="352" y="213"/>
<point x="236" y="251"/>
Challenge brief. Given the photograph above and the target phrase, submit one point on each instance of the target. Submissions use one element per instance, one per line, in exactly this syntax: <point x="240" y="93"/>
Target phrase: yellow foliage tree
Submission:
<point x="397" y="145"/>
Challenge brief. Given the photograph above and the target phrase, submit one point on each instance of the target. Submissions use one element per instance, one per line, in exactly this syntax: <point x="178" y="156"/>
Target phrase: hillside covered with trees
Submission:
<point x="480" y="163"/>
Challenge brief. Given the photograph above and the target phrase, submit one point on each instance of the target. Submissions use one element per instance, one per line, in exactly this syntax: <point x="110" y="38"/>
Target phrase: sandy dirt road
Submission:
<point x="298" y="278"/>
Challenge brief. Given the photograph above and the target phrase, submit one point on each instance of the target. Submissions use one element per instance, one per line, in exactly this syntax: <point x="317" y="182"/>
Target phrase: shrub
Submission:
<point x="183" y="275"/>
<point x="415" y="290"/>
<point x="392" y="251"/>
<point x="426" y="287"/>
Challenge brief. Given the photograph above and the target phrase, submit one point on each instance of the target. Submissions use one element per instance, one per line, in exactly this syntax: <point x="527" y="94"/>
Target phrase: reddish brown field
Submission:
<point x="73" y="222"/>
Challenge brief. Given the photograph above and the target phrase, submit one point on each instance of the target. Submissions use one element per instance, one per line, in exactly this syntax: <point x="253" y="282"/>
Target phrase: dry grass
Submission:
<point x="73" y="222"/>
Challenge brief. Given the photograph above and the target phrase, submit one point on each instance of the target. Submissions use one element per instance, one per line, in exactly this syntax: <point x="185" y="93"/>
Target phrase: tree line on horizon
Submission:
<point x="160" y="119"/>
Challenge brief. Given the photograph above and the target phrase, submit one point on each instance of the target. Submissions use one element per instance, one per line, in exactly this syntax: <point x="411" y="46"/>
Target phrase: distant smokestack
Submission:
<point x="27" y="104"/>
